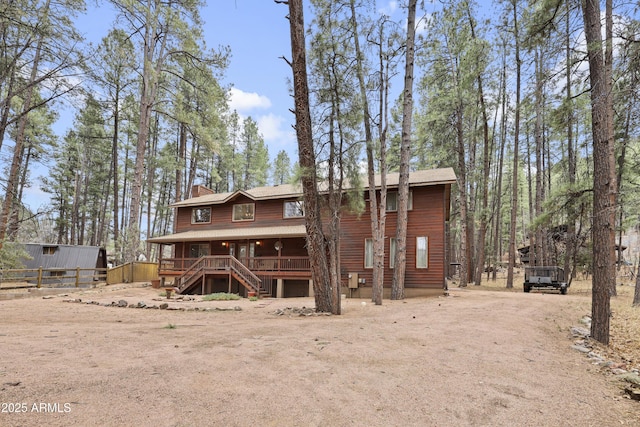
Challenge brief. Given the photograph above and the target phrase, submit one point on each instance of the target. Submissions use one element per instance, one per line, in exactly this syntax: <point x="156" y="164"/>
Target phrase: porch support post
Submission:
<point x="311" y="293"/>
<point x="279" y="288"/>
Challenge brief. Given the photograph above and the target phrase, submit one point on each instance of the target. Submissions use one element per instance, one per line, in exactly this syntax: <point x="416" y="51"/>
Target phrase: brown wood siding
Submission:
<point x="291" y="247"/>
<point x="268" y="213"/>
<point x="427" y="218"/>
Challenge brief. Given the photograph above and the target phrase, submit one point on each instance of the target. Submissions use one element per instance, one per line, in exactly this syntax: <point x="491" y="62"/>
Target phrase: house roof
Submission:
<point x="233" y="233"/>
<point x="64" y="256"/>
<point x="416" y="179"/>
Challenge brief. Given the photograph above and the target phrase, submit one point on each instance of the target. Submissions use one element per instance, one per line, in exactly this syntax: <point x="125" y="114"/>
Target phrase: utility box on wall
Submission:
<point x="353" y="280"/>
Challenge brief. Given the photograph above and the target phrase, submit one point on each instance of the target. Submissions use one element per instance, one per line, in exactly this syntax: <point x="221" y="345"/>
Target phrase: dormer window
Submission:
<point x="244" y="212"/>
<point x="200" y="215"/>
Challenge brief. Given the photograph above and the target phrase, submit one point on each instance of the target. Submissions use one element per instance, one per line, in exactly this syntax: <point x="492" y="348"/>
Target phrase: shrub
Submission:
<point x="220" y="296"/>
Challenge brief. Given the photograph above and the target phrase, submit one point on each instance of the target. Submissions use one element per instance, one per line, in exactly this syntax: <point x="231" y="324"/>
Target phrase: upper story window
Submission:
<point x="294" y="209"/>
<point x="392" y="201"/>
<point x="200" y="215"/>
<point x="244" y="212"/>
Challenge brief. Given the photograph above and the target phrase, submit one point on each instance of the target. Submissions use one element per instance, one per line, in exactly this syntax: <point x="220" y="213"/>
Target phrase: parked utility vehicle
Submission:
<point x="545" y="278"/>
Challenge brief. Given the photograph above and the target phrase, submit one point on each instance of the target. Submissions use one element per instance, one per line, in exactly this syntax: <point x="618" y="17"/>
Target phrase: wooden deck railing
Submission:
<point x="255" y="264"/>
<point x="219" y="263"/>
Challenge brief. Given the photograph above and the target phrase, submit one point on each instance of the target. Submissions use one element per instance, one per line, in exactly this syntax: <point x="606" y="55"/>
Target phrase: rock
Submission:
<point x="577" y="331"/>
<point x="632" y="378"/>
<point x="142" y="304"/>
<point x="618" y="371"/>
<point x="581" y="349"/>
<point x="122" y="303"/>
<point x="164" y="306"/>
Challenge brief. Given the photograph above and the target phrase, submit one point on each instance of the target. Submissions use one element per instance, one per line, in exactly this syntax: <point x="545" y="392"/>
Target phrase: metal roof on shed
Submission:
<point x="64" y="256"/>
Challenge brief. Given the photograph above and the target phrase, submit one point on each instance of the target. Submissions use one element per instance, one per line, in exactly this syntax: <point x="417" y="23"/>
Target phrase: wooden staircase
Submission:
<point x="217" y="264"/>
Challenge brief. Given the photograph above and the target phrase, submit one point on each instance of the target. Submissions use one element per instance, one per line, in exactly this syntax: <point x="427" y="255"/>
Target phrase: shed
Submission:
<point x="60" y="260"/>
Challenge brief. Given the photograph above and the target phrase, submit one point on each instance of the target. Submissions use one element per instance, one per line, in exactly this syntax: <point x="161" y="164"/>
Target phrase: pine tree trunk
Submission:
<point x="604" y="178"/>
<point x="376" y="231"/>
<point x="486" y="165"/>
<point x="571" y="248"/>
<point x="462" y="202"/>
<point x="315" y="237"/>
<point x="14" y="170"/>
<point x="539" y="240"/>
<point x="397" y="287"/>
<point x="636" y="294"/>
<point x="516" y="165"/>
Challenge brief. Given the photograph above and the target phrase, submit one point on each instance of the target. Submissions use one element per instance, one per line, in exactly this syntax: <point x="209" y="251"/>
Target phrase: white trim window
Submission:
<point x="244" y="212"/>
<point x="197" y="250"/>
<point x="393" y="243"/>
<point x="392" y="201"/>
<point x="422" y="252"/>
<point x="200" y="215"/>
<point x="293" y="209"/>
<point x="368" y="253"/>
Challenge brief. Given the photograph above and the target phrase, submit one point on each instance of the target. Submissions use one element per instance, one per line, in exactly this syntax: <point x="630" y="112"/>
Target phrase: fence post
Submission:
<point x="39" y="277"/>
<point x="77" y="276"/>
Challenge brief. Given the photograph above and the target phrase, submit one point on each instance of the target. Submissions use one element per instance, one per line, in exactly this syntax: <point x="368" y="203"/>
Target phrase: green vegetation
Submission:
<point x="221" y="296"/>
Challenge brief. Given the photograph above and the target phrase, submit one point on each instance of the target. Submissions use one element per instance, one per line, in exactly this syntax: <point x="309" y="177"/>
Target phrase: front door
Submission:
<point x="242" y="253"/>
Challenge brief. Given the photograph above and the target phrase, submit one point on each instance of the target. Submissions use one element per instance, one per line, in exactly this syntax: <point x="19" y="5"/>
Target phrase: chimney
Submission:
<point x="200" y="190"/>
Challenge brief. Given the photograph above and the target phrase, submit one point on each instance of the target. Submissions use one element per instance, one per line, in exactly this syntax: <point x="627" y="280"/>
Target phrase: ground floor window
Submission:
<point x="422" y="252"/>
<point x="199" y="249"/>
<point x="392" y="252"/>
<point x="368" y="253"/>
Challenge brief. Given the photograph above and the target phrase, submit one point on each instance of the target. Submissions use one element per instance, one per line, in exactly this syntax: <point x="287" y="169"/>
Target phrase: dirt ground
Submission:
<point x="474" y="358"/>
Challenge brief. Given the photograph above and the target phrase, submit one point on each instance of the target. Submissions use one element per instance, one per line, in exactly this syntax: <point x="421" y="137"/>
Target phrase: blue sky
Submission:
<point x="258" y="35"/>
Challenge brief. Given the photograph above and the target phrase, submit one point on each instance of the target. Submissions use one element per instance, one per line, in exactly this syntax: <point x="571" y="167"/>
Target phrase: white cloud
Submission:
<point x="271" y="127"/>
<point x="277" y="133"/>
<point x="389" y="8"/>
<point x="246" y="101"/>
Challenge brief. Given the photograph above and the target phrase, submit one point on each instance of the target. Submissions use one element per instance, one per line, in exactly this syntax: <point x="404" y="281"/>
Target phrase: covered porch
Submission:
<point x="277" y="256"/>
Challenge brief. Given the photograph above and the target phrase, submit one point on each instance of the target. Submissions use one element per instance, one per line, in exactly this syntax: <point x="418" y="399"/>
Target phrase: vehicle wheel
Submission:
<point x="527" y="287"/>
<point x="563" y="290"/>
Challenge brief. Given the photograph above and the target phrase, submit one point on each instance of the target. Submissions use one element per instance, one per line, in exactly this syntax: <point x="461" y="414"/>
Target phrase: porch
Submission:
<point x="259" y="276"/>
<point x="270" y="261"/>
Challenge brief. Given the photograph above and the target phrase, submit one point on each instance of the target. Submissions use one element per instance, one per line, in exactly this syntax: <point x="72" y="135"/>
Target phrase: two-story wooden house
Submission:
<point x="253" y="241"/>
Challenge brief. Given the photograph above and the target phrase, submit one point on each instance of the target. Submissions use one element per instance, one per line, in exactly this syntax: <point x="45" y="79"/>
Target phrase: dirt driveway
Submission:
<point x="475" y="358"/>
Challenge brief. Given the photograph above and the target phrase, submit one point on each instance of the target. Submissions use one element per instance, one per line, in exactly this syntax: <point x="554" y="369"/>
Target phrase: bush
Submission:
<point x="221" y="296"/>
<point x="12" y="256"/>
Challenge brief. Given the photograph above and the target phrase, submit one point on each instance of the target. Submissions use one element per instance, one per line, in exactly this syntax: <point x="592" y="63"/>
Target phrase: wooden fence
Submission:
<point x="77" y="277"/>
<point x="133" y="272"/>
<point x="51" y="277"/>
